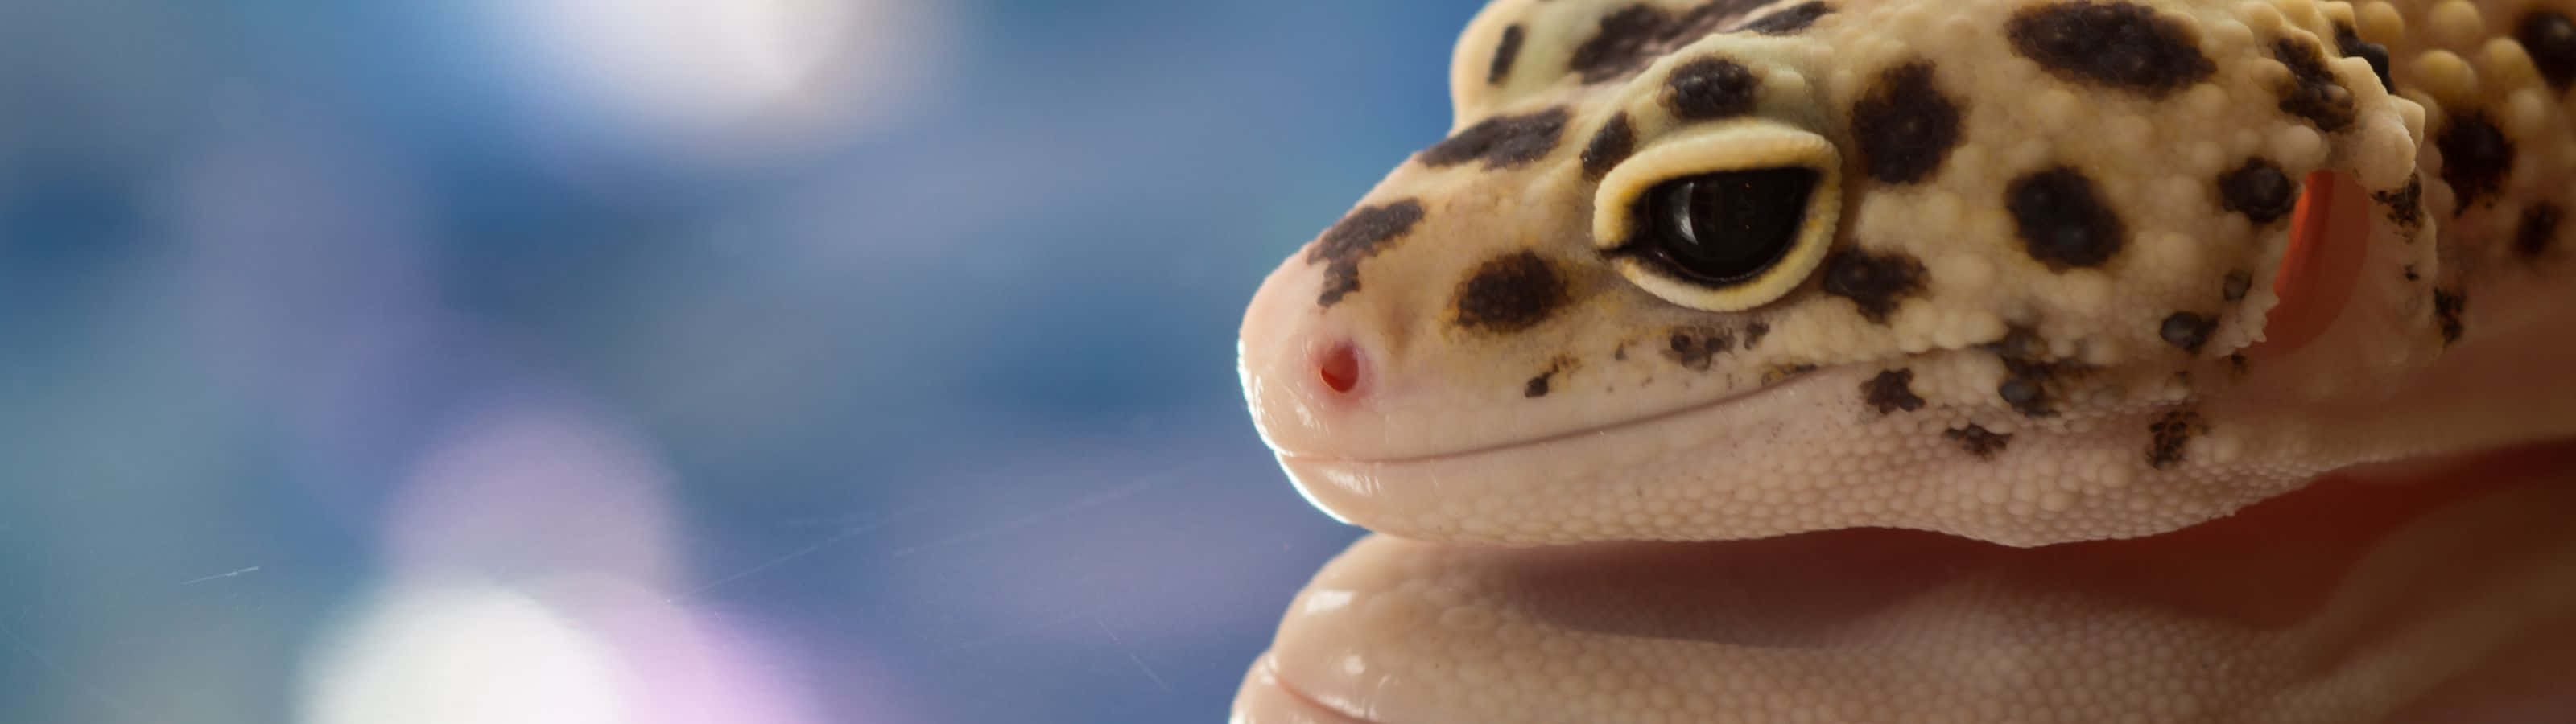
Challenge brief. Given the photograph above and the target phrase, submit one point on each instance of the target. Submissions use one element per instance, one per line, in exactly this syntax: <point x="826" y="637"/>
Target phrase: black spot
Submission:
<point x="2538" y="230"/>
<point x="1904" y="126"/>
<point x="1876" y="282"/>
<point x="1891" y="391"/>
<point x="1708" y="18"/>
<point x="2447" y="306"/>
<point x="2118" y="44"/>
<point x="2236" y="363"/>
<point x="2027" y="377"/>
<point x="2411" y="275"/>
<point x="2405" y="205"/>
<point x="1699" y="22"/>
<point x="2170" y="434"/>
<point x="2259" y="190"/>
<point x="2351" y="45"/>
<point x="1504" y="53"/>
<point x="2018" y="342"/>
<point x="1501" y="141"/>
<point x="1789" y="20"/>
<point x="1710" y="88"/>
<point x="2233" y="288"/>
<point x="2550" y="39"/>
<point x="1611" y="145"/>
<point x="1537" y="386"/>
<point x="1978" y="441"/>
<point x="2063" y="223"/>
<point x="1509" y="293"/>
<point x="1358" y="236"/>
<point x="2187" y="330"/>
<point x="1784" y="373"/>
<point x="1634" y="35"/>
<point x="1693" y="348"/>
<point x="2475" y="158"/>
<point x="1753" y="334"/>
<point x="2025" y="386"/>
<point x="1622" y="44"/>
<point x="2311" y="91"/>
<point x="2025" y="395"/>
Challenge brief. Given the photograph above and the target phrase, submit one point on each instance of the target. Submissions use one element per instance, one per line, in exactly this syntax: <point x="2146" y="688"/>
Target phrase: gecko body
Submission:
<point x="2022" y="272"/>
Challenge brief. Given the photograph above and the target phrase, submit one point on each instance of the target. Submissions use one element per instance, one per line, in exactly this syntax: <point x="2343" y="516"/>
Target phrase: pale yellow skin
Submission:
<point x="1602" y="414"/>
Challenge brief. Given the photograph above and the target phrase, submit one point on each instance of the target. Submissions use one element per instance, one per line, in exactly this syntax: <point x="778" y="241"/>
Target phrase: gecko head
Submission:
<point x="1711" y="270"/>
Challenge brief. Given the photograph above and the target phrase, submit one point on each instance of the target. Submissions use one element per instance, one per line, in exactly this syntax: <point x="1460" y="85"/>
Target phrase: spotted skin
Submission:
<point x="2068" y="224"/>
<point x="2405" y="204"/>
<point x="1904" y="127"/>
<point x="2549" y="37"/>
<point x="1695" y="349"/>
<point x="2063" y="220"/>
<point x="1710" y="88"/>
<point x="1505" y="51"/>
<point x="2259" y="190"/>
<point x="1359" y="236"/>
<point x="2537" y="233"/>
<point x="2449" y="309"/>
<point x="2119" y="45"/>
<point x="2312" y="91"/>
<point x="1610" y="145"/>
<point x="1891" y="392"/>
<point x="1509" y="294"/>
<point x="2170" y="435"/>
<point x="2476" y="158"/>
<point x="2187" y="331"/>
<point x="1501" y="142"/>
<point x="1978" y="441"/>
<point x="1875" y="283"/>
<point x="2348" y="42"/>
<point x="1789" y="20"/>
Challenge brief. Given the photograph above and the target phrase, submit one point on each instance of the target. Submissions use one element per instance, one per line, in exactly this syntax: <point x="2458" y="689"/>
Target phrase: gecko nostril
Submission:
<point x="1339" y="368"/>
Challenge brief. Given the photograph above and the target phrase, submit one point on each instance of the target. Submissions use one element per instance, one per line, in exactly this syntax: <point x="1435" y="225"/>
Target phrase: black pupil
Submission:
<point x="1725" y="227"/>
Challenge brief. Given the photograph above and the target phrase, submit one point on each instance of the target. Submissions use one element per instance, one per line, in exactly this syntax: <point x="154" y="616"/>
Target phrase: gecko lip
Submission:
<point x="1632" y="423"/>
<point x="1393" y="494"/>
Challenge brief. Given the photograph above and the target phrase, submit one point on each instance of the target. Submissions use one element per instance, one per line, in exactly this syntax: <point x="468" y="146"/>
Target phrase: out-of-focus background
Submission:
<point x="572" y="361"/>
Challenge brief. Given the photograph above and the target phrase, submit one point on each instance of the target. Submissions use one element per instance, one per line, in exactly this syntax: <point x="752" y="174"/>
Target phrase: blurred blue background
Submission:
<point x="763" y="361"/>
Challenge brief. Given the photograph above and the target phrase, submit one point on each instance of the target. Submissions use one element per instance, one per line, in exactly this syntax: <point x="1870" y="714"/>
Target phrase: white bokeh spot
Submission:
<point x="463" y="654"/>
<point x="724" y="73"/>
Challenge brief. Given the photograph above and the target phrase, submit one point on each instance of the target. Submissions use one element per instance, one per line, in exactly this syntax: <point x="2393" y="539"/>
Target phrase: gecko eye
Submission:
<point x="1726" y="228"/>
<point x="1722" y="219"/>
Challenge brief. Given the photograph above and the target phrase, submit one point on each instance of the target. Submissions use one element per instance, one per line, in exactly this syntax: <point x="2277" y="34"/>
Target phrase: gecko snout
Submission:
<point x="1308" y="374"/>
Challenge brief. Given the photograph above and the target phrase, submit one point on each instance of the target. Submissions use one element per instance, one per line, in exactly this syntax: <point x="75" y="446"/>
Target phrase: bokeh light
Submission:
<point x="467" y="654"/>
<point x="717" y="77"/>
<point x="764" y="361"/>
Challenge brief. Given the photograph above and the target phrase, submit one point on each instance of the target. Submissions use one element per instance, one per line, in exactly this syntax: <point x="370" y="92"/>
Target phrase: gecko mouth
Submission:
<point x="1576" y="435"/>
<point x="1411" y="494"/>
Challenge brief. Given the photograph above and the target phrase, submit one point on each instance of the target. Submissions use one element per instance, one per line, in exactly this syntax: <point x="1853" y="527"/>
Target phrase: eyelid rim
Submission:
<point x="1738" y="145"/>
